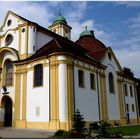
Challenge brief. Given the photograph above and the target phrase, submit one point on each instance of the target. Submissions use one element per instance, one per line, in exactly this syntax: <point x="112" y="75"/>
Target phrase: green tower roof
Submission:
<point x="87" y="33"/>
<point x="60" y="19"/>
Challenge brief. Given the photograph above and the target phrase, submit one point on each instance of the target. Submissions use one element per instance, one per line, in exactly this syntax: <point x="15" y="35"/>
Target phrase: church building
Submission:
<point x="45" y="77"/>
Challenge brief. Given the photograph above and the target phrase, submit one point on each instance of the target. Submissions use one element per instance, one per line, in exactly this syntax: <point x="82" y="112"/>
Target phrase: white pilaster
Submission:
<point x="21" y="89"/>
<point x="62" y="92"/>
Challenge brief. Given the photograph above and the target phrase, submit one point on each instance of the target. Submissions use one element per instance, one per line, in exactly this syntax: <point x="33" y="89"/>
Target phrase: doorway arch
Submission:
<point x="7" y="105"/>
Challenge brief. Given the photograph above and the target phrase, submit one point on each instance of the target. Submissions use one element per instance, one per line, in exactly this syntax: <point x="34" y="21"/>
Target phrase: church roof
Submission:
<point x="95" y="48"/>
<point x="58" y="45"/>
<point x="98" y="54"/>
<point x="86" y="44"/>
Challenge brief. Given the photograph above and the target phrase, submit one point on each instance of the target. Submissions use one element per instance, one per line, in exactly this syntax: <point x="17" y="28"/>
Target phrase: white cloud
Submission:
<point x="134" y="22"/>
<point x="78" y="27"/>
<point x="32" y="11"/>
<point x="43" y="14"/>
<point x="128" y="3"/>
<point x="129" y="52"/>
<point x="129" y="58"/>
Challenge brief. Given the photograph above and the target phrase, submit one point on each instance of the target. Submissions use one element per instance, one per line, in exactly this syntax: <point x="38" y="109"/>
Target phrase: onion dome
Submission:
<point x="60" y="18"/>
<point x="87" y="33"/>
<point x="88" y="41"/>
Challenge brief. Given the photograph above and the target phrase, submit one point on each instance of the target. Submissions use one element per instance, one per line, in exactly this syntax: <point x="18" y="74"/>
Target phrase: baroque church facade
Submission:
<point x="45" y="77"/>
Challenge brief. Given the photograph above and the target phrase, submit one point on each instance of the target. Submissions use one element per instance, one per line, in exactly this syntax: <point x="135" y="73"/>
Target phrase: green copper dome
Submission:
<point x="87" y="33"/>
<point x="60" y="19"/>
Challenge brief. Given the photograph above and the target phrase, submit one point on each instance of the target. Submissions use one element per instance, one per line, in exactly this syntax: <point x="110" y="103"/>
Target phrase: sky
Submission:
<point x="115" y="23"/>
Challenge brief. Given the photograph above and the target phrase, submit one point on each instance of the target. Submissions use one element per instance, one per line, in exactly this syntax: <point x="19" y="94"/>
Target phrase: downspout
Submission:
<point x="49" y="91"/>
<point x="73" y="84"/>
<point x="136" y="102"/>
<point x="97" y="73"/>
<point x="124" y="99"/>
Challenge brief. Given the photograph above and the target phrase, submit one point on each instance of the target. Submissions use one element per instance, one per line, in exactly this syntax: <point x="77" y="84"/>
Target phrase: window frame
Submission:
<point x="111" y="83"/>
<point x="133" y="108"/>
<point x="127" y="107"/>
<point x="81" y="79"/>
<point x="125" y="90"/>
<point x="9" y="39"/>
<point x="8" y="73"/>
<point x="92" y="81"/>
<point x="131" y="91"/>
<point x="38" y="75"/>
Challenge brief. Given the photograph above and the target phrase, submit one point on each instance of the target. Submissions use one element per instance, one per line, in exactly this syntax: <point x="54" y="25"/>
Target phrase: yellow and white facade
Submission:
<point x="51" y="105"/>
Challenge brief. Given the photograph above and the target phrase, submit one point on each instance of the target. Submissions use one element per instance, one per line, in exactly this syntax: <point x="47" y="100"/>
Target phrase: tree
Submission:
<point x="78" y="122"/>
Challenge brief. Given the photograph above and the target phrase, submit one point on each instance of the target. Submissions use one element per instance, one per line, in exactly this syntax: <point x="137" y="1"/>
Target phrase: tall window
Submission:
<point x="125" y="90"/>
<point x="8" y="73"/>
<point x="133" y="108"/>
<point x="127" y="107"/>
<point x="111" y="83"/>
<point x="131" y="91"/>
<point x="81" y="78"/>
<point x="92" y="81"/>
<point x="38" y="75"/>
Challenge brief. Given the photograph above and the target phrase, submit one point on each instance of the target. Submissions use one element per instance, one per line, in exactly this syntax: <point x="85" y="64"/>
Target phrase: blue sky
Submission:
<point x="116" y="24"/>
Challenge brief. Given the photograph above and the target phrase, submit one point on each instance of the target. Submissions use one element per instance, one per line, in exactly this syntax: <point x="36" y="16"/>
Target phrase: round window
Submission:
<point x="8" y="40"/>
<point x="9" y="22"/>
<point x="23" y="30"/>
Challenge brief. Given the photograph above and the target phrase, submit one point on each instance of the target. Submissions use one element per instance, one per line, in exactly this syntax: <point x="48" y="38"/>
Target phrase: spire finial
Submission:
<point x="86" y="28"/>
<point x="59" y="11"/>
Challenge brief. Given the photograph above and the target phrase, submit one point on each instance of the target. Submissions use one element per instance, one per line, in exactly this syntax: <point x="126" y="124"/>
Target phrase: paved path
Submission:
<point x="132" y="137"/>
<point x="7" y="132"/>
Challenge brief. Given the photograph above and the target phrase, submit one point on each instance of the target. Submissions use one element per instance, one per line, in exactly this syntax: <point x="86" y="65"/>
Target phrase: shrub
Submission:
<point x="101" y="128"/>
<point x="74" y="134"/>
<point x="61" y="134"/>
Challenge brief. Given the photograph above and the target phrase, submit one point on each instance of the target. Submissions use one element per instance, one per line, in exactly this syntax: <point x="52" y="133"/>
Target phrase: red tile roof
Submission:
<point x="94" y="47"/>
<point x="98" y="54"/>
<point x="90" y="43"/>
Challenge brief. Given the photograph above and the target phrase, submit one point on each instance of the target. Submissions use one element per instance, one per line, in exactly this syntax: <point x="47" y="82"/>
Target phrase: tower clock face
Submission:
<point x="8" y="40"/>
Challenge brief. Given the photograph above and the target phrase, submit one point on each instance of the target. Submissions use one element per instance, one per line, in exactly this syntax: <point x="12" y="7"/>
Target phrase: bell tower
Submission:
<point x="61" y="27"/>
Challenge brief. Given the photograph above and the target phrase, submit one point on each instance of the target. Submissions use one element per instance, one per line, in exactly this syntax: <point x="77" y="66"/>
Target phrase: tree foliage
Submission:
<point x="78" y="123"/>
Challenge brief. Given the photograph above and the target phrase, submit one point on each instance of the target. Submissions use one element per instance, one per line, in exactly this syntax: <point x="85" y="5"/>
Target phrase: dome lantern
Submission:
<point x="87" y="32"/>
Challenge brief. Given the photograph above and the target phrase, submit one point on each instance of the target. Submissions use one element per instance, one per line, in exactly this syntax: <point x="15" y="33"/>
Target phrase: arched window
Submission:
<point x="8" y="73"/>
<point x="38" y="75"/>
<point x="111" y="82"/>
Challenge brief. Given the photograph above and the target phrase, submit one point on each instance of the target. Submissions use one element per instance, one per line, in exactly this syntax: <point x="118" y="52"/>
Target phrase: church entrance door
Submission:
<point x="7" y="103"/>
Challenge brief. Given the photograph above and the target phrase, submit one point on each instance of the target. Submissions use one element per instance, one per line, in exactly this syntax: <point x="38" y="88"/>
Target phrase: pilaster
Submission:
<point x="103" y="96"/>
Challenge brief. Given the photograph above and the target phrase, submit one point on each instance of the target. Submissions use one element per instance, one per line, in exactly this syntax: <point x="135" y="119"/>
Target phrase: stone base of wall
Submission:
<point x="134" y="121"/>
<point x="1" y="124"/>
<point x="56" y="125"/>
<point x="52" y="125"/>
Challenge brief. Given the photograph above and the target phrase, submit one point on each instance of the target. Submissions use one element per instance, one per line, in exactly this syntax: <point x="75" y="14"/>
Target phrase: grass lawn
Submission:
<point x="126" y="130"/>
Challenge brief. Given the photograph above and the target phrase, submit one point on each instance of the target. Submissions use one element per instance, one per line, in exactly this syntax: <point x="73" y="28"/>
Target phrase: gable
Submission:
<point x="111" y="60"/>
<point x="15" y="21"/>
